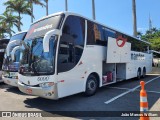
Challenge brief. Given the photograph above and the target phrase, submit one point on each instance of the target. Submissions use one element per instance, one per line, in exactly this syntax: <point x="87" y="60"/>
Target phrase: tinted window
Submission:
<point x="74" y="26"/>
<point x="137" y="45"/>
<point x="18" y="36"/>
<point x="109" y="33"/>
<point x="17" y="56"/>
<point x="3" y="43"/>
<point x="71" y="43"/>
<point x="42" y="27"/>
<point x="96" y="34"/>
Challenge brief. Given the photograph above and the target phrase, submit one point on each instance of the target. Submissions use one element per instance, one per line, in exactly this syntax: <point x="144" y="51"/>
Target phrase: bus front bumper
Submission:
<point x="49" y="92"/>
<point x="10" y="81"/>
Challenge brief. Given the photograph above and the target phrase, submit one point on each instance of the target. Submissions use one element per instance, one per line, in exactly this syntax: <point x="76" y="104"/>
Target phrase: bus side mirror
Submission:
<point x="47" y="38"/>
<point x="13" y="52"/>
<point x="10" y="44"/>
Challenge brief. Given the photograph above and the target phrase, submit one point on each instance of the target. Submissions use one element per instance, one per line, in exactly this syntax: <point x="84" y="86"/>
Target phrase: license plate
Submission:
<point x="29" y="91"/>
<point x="12" y="74"/>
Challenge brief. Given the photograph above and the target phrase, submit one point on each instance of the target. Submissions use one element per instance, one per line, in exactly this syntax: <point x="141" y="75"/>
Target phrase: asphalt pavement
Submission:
<point x="109" y="100"/>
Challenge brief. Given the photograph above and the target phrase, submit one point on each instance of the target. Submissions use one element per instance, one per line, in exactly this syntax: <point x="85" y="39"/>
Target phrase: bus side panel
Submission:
<point x="148" y="60"/>
<point x="140" y="60"/>
<point x="75" y="79"/>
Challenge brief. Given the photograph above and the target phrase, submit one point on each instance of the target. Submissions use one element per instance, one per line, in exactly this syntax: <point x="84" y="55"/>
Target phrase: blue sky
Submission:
<point x="114" y="13"/>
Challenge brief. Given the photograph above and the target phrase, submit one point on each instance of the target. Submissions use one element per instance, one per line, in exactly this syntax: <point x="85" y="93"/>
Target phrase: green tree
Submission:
<point x="20" y="7"/>
<point x="139" y="34"/>
<point x="4" y="29"/>
<point x="36" y="2"/>
<point x="11" y="21"/>
<point x="153" y="36"/>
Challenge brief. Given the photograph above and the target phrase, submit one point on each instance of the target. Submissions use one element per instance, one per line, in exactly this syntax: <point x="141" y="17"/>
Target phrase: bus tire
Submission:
<point x="139" y="74"/>
<point x="91" y="85"/>
<point x="144" y="72"/>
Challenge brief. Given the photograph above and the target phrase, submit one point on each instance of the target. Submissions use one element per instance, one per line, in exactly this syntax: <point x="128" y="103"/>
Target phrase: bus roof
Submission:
<point x="155" y="51"/>
<point x="71" y="13"/>
<point x="20" y="32"/>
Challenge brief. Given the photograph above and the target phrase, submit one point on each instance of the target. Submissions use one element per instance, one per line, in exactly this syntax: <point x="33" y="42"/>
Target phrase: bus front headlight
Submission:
<point x="47" y="84"/>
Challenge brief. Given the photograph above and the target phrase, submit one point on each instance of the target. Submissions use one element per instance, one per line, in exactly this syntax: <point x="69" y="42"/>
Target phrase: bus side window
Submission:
<point x="95" y="34"/>
<point x="71" y="43"/>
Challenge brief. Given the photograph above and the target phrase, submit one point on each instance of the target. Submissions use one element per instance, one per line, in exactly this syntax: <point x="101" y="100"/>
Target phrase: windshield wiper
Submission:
<point x="34" y="69"/>
<point x="24" y="44"/>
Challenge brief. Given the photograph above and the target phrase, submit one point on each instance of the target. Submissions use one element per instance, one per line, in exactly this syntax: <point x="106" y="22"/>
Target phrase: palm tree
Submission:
<point x="66" y="5"/>
<point x="11" y="21"/>
<point x="46" y="1"/>
<point x="93" y="10"/>
<point x="148" y="32"/>
<point x="134" y="18"/>
<point x="139" y="34"/>
<point x="4" y="29"/>
<point x="154" y="30"/>
<point x="20" y="7"/>
<point x="36" y="2"/>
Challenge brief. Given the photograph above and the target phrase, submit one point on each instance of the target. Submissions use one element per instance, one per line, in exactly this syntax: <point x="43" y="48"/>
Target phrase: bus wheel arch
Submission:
<point x="144" y="72"/>
<point x="139" y="73"/>
<point x="92" y="84"/>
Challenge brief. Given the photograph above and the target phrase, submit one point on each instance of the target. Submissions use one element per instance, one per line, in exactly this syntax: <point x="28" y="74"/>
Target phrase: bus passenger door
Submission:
<point x="69" y="72"/>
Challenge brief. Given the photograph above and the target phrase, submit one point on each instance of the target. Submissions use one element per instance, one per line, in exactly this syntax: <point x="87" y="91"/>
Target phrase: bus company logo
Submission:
<point x="31" y="30"/>
<point x="45" y="78"/>
<point x="43" y="28"/>
<point x="121" y="41"/>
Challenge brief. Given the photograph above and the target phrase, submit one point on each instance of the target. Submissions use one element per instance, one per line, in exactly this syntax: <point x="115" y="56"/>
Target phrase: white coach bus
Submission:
<point x="65" y="53"/>
<point x="3" y="45"/>
<point x="11" y="59"/>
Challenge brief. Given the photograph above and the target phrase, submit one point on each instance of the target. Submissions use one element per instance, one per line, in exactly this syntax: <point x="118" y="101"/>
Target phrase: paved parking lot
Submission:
<point x="122" y="96"/>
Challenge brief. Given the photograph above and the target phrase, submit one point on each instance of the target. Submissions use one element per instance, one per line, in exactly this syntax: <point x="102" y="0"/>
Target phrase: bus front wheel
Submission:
<point x="91" y="85"/>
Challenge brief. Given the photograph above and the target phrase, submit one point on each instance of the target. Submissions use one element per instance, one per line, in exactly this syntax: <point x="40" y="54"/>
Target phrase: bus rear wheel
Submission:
<point x="139" y="74"/>
<point x="144" y="72"/>
<point x="91" y="85"/>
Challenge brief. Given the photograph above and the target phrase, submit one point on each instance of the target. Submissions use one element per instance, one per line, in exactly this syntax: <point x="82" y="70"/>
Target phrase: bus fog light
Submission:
<point x="49" y="94"/>
<point x="48" y="84"/>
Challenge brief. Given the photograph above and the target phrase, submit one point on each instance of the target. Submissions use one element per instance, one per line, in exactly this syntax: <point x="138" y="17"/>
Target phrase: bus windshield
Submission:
<point x="8" y="63"/>
<point x="19" y="36"/>
<point x="34" y="61"/>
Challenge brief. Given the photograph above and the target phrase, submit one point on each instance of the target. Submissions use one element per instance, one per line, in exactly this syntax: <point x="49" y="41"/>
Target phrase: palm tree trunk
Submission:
<point x="93" y="10"/>
<point x="10" y="34"/>
<point x="66" y="5"/>
<point x="46" y="7"/>
<point x="134" y="18"/>
<point x="19" y="21"/>
<point x="31" y="12"/>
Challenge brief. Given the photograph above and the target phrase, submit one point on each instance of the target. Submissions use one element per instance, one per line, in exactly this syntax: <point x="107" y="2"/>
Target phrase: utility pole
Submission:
<point x="93" y="10"/>
<point x="134" y="18"/>
<point x="66" y="5"/>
